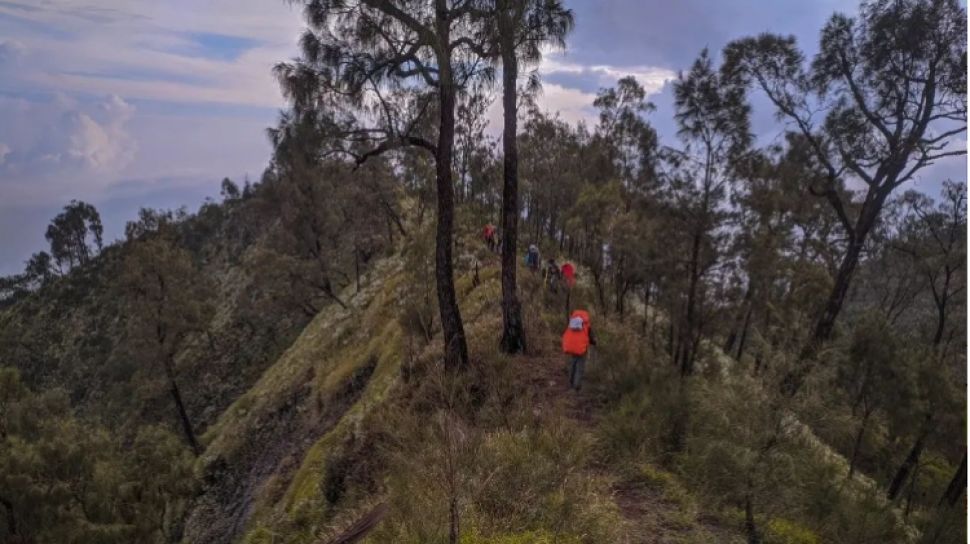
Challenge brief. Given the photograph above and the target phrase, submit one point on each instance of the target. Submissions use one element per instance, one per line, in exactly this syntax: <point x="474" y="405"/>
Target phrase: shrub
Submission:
<point x="783" y="531"/>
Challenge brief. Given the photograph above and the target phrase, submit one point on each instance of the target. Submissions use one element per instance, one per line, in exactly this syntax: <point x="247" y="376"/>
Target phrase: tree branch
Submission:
<point x="391" y="144"/>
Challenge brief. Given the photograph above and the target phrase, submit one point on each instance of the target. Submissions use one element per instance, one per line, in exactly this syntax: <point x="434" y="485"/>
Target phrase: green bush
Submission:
<point x="783" y="531"/>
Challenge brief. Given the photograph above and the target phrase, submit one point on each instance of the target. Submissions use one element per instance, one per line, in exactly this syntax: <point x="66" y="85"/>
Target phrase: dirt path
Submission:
<point x="653" y="514"/>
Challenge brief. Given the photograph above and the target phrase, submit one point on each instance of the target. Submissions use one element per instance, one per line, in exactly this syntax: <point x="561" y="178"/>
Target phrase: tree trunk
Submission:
<point x="826" y="321"/>
<point x="513" y="335"/>
<point x="941" y="315"/>
<point x="904" y="470"/>
<point x="858" y="442"/>
<point x="794" y="378"/>
<point x="568" y="295"/>
<point x="911" y="493"/>
<point x="12" y="519"/>
<point x="357" y="270"/>
<point x="680" y="421"/>
<point x="957" y="485"/>
<point x="600" y="293"/>
<point x="646" y="306"/>
<point x="739" y="321"/>
<point x="453" y="332"/>
<point x="670" y="340"/>
<point x="454" y="530"/>
<point x="180" y="407"/>
<point x="744" y="332"/>
<point x="750" y="527"/>
<point x="620" y="299"/>
<point x="686" y="351"/>
<point x="360" y="528"/>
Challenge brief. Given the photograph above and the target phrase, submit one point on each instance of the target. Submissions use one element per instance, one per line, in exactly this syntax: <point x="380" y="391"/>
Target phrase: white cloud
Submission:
<point x="67" y="144"/>
<point x="97" y="140"/>
<point x="145" y="50"/>
<point x="149" y="50"/>
<point x="652" y="78"/>
<point x="575" y="104"/>
<point x="61" y="143"/>
<point x="571" y="104"/>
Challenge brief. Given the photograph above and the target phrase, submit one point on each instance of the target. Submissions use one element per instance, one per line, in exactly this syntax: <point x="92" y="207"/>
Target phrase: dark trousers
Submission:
<point x="576" y="367"/>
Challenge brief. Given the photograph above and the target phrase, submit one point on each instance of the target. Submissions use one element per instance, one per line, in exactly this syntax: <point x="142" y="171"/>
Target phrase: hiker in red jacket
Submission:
<point x="489" y="234"/>
<point x="576" y="340"/>
<point x="568" y="272"/>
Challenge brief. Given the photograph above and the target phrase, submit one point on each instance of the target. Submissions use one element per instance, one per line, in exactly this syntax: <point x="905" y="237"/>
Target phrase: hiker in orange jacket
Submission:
<point x="576" y="340"/>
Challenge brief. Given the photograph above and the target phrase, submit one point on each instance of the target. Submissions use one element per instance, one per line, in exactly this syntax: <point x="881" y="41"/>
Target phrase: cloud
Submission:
<point x="572" y="105"/>
<point x="570" y="88"/>
<point x="96" y="140"/>
<point x="218" y="51"/>
<point x="62" y="142"/>
<point x="652" y="78"/>
<point x="196" y="83"/>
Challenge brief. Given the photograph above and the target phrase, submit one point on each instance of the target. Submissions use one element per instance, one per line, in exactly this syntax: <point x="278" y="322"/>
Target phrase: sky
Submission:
<point x="145" y="103"/>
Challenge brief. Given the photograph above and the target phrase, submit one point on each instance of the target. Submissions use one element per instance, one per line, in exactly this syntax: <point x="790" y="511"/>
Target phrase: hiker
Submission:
<point x="551" y="275"/>
<point x="532" y="258"/>
<point x="489" y="234"/>
<point x="568" y="272"/>
<point x="576" y="341"/>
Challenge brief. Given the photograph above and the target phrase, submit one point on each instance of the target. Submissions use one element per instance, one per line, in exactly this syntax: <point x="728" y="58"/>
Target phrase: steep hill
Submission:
<point x="71" y="334"/>
<point x="348" y="428"/>
<point x="349" y="416"/>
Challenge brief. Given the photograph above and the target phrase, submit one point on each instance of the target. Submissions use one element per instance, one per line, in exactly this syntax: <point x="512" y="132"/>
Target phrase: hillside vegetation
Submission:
<point x="335" y="354"/>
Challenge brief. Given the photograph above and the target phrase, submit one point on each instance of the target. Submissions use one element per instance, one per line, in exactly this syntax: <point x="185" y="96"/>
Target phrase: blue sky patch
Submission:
<point x="585" y="81"/>
<point x="219" y="46"/>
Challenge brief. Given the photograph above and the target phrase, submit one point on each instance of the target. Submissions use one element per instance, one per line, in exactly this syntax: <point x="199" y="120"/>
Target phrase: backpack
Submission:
<point x="575" y="339"/>
<point x="569" y="274"/>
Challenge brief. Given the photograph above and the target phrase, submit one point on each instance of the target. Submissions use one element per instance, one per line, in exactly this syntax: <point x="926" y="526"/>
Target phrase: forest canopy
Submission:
<point x="358" y="344"/>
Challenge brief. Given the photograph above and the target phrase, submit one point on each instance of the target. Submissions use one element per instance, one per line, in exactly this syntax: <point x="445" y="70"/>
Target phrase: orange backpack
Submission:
<point x="575" y="341"/>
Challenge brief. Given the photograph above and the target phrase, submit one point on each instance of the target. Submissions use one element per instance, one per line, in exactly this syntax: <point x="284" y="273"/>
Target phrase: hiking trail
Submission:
<point x="651" y="514"/>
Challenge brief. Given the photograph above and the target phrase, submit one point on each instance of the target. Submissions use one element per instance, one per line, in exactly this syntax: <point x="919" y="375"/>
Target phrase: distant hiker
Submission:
<point x="568" y="272"/>
<point x="551" y="275"/>
<point x="490" y="236"/>
<point x="576" y="341"/>
<point x="532" y="258"/>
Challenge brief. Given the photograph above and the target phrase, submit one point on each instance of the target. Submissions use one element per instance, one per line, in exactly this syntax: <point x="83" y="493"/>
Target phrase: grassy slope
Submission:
<point x="319" y="407"/>
<point x="342" y="361"/>
<point x="282" y="498"/>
